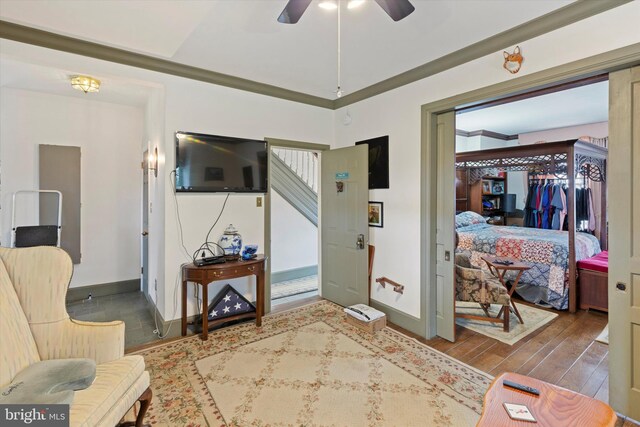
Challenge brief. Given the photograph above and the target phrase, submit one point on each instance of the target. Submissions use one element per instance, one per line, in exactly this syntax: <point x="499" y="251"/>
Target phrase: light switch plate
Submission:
<point x="259" y="202"/>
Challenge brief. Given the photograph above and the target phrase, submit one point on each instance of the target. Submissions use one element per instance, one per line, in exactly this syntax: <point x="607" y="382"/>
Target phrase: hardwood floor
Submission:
<point x="564" y="353"/>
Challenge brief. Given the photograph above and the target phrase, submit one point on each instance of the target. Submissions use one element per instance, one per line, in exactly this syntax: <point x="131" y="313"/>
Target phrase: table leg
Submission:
<point x="205" y="312"/>
<point x="513" y="288"/>
<point x="184" y="308"/>
<point x="260" y="296"/>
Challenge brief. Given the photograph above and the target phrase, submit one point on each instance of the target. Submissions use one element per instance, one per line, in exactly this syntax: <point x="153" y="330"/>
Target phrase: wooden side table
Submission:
<point x="556" y="406"/>
<point x="211" y="273"/>
<point x="499" y="270"/>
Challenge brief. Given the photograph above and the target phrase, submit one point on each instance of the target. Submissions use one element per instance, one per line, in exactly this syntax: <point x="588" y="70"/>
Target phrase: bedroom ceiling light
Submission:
<point x="328" y="4"/>
<point x="85" y="83"/>
<point x="352" y="4"/>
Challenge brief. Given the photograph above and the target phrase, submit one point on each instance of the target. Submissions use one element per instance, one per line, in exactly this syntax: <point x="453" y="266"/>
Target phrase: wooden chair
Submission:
<point x="473" y="284"/>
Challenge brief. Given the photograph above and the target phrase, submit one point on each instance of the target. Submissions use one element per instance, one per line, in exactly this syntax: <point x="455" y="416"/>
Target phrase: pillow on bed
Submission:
<point x="468" y="218"/>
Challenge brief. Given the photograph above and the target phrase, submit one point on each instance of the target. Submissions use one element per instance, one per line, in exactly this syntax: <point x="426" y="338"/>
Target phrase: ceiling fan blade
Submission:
<point x="396" y="9"/>
<point x="293" y="11"/>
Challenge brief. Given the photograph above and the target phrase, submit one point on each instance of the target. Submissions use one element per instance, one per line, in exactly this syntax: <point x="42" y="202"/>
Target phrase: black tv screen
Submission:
<point x="213" y="163"/>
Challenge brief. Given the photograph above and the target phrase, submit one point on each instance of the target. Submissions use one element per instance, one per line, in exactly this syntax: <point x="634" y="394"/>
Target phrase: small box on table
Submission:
<point x="366" y="318"/>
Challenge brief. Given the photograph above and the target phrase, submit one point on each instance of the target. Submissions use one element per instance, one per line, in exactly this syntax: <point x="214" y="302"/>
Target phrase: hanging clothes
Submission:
<point x="545" y="204"/>
<point x="559" y="202"/>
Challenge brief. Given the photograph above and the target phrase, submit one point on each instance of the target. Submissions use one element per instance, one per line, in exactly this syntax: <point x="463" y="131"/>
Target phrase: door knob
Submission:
<point x="360" y="241"/>
<point x="145" y="233"/>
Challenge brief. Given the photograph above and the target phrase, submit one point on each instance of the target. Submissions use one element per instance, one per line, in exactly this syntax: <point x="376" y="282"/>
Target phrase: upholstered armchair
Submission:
<point x="475" y="285"/>
<point x="35" y="326"/>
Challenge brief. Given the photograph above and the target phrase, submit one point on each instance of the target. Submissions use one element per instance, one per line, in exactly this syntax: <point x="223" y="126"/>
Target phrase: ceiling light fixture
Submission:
<point x="352" y="4"/>
<point x="85" y="83"/>
<point x="328" y="4"/>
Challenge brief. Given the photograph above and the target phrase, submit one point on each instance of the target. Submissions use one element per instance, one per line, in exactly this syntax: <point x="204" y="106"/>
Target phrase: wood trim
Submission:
<point x="487" y="133"/>
<point x="102" y="289"/>
<point x="294" y="273"/>
<point x="617" y="59"/>
<point x="50" y="40"/>
<point x="559" y="18"/>
<point x="545" y="91"/>
<point x="400" y="318"/>
<point x="285" y="143"/>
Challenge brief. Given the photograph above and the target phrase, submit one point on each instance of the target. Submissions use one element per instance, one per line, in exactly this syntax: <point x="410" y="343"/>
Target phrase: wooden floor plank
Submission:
<point x="542" y="341"/>
<point x="594" y="383"/>
<point x="469" y="346"/>
<point x="603" y="392"/>
<point x="583" y="368"/>
<point x="556" y="364"/>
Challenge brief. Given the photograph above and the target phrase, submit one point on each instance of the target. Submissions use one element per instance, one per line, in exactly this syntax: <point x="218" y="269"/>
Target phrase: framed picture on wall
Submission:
<point x="375" y="214"/>
<point x="378" y="161"/>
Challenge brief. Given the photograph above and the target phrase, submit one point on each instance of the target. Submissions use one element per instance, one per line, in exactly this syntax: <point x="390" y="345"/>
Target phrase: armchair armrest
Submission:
<point x="100" y="341"/>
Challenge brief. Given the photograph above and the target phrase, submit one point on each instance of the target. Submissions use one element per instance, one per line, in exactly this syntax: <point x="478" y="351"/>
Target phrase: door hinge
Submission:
<point x="141" y="270"/>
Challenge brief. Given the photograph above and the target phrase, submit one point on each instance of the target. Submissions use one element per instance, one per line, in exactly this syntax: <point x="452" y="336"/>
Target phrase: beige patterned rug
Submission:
<point x="308" y="367"/>
<point x="534" y="318"/>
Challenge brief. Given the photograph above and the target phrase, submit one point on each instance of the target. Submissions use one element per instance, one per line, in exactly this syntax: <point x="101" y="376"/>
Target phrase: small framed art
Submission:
<point x="375" y="214"/>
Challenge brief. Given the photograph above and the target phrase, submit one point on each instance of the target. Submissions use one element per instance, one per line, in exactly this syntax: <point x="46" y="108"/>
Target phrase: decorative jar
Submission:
<point x="231" y="242"/>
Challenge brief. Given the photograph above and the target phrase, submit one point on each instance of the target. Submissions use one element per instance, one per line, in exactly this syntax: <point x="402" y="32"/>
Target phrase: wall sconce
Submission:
<point x="153" y="162"/>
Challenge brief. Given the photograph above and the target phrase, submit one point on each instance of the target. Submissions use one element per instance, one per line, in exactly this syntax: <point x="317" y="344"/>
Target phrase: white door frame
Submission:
<point x="282" y="143"/>
<point x="595" y="65"/>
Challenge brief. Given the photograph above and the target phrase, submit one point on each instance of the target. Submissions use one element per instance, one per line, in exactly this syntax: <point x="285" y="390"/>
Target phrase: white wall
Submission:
<point x="204" y="108"/>
<point x="397" y="114"/>
<point x="154" y="137"/>
<point x="109" y="137"/>
<point x="294" y="239"/>
<point x="596" y="130"/>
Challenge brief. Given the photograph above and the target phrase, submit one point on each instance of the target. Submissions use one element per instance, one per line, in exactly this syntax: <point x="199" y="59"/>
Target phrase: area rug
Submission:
<point x="534" y="318"/>
<point x="604" y="335"/>
<point x="294" y="287"/>
<point x="308" y="367"/>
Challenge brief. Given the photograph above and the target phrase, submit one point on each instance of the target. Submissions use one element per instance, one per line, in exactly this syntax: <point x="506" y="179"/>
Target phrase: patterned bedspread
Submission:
<point x="546" y="251"/>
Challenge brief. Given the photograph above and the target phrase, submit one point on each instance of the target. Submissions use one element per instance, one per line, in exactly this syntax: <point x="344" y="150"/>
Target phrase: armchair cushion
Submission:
<point x="49" y="382"/>
<point x="473" y="285"/>
<point x="113" y="381"/>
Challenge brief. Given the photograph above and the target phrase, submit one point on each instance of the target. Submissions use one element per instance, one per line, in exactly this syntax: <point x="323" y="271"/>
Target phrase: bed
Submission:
<point x="546" y="251"/>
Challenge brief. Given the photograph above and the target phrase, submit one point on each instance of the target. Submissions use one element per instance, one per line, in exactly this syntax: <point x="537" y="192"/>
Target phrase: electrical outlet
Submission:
<point x="259" y="202"/>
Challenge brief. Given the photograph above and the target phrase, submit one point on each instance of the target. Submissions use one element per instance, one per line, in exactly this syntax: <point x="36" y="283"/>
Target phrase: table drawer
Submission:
<point x="210" y="275"/>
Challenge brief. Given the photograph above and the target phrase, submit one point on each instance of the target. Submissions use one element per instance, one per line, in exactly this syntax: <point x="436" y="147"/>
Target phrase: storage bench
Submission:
<point x="592" y="282"/>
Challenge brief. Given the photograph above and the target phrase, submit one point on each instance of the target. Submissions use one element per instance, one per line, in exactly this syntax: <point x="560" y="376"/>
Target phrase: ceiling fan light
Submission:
<point x="328" y="4"/>
<point x="354" y="3"/>
<point x="85" y="83"/>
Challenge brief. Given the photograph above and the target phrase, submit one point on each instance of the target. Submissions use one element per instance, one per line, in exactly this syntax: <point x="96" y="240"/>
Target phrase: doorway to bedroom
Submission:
<point x="531" y="213"/>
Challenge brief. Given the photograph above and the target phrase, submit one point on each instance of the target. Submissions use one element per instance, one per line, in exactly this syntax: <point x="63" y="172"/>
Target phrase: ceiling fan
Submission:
<point x="396" y="9"/>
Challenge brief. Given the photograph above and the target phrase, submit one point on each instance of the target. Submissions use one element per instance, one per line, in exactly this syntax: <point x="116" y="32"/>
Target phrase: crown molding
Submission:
<point x="559" y="18"/>
<point x="551" y="21"/>
<point x="487" y="133"/>
<point x="33" y="36"/>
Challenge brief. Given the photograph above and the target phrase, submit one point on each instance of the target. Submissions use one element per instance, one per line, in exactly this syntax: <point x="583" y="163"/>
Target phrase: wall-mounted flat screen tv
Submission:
<point x="213" y="163"/>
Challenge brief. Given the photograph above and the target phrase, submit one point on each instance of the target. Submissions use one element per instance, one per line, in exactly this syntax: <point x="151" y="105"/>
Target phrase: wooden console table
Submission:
<point x="211" y="273"/>
<point x="556" y="406"/>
